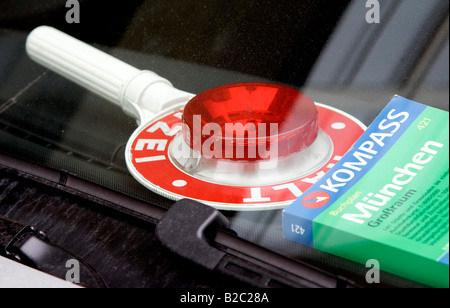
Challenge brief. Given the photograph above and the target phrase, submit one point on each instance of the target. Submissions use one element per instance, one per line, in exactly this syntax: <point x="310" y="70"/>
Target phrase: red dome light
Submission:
<point x="238" y="110"/>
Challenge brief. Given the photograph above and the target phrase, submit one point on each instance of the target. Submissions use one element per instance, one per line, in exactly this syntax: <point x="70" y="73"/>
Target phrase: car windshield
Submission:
<point x="351" y="55"/>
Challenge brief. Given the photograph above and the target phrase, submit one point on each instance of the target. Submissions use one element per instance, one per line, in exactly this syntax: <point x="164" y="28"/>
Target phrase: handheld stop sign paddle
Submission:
<point x="246" y="146"/>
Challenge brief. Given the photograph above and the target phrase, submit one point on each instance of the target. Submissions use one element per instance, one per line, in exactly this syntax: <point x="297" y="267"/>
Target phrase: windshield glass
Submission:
<point x="351" y="55"/>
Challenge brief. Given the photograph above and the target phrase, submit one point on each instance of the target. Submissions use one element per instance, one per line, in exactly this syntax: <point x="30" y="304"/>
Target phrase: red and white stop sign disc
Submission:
<point x="148" y="160"/>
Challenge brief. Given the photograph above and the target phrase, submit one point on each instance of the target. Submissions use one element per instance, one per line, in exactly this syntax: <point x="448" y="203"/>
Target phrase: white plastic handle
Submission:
<point x="140" y="93"/>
